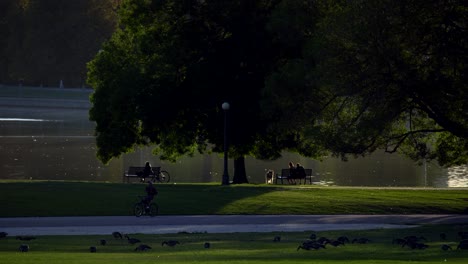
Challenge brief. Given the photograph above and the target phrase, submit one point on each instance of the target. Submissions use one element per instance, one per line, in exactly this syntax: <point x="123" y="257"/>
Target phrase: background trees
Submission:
<point x="381" y="75"/>
<point x="45" y="41"/>
<point x="400" y="69"/>
<point x="347" y="77"/>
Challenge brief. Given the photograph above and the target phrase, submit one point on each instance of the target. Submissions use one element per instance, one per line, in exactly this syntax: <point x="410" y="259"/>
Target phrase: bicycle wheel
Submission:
<point x="164" y="176"/>
<point x="154" y="209"/>
<point x="139" y="209"/>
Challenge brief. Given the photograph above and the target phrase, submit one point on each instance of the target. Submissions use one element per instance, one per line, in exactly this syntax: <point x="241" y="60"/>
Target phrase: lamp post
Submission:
<point x="225" y="107"/>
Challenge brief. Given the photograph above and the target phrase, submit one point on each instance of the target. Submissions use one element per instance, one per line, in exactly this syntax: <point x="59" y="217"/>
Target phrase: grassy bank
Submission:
<point x="239" y="248"/>
<point x="88" y="198"/>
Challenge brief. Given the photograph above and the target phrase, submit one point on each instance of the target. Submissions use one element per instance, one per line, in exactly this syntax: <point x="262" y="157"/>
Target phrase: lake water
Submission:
<point x="52" y="139"/>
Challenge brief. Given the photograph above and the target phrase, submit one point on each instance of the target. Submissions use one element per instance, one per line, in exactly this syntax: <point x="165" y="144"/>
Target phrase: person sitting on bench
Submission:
<point x="292" y="173"/>
<point x="147" y="171"/>
<point x="300" y="172"/>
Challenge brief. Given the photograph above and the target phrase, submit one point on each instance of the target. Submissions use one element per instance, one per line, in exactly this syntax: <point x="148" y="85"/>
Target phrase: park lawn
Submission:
<point x="46" y="198"/>
<point x="240" y="248"/>
<point x="54" y="198"/>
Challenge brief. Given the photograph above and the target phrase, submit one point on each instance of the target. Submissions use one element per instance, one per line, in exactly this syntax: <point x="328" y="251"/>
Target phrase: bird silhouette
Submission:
<point x="415" y="245"/>
<point x="399" y="241"/>
<point x="336" y="243"/>
<point x="308" y="245"/>
<point x="117" y="235"/>
<point x="415" y="238"/>
<point x="25" y="238"/>
<point x="103" y="242"/>
<point x="132" y="240"/>
<point x="343" y="239"/>
<point x="92" y="249"/>
<point x="170" y="243"/>
<point x="463" y="244"/>
<point x="207" y="245"/>
<point x="24" y="248"/>
<point x="421" y="246"/>
<point x="142" y="247"/>
<point x="445" y="247"/>
<point x="323" y="240"/>
<point x="303" y="247"/>
<point x="414" y="242"/>
<point x="361" y="240"/>
<point x="463" y="235"/>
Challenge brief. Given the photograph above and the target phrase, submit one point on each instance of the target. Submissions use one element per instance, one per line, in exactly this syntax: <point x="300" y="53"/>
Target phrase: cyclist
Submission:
<point x="150" y="193"/>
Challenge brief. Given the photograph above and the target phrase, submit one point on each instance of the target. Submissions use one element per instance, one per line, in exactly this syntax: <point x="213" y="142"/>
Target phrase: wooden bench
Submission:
<point x="137" y="172"/>
<point x="285" y="176"/>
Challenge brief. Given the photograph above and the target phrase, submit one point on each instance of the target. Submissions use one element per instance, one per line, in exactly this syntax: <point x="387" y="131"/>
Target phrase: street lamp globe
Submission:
<point x="225" y="106"/>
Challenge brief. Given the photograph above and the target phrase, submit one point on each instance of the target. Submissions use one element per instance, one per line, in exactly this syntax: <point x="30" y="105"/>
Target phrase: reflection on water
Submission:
<point x="457" y="176"/>
<point x="57" y="143"/>
<point x="23" y="119"/>
<point x="49" y="157"/>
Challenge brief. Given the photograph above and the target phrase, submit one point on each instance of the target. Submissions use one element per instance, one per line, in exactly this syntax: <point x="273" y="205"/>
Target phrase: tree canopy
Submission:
<point x="389" y="75"/>
<point x="163" y="76"/>
<point x="313" y="77"/>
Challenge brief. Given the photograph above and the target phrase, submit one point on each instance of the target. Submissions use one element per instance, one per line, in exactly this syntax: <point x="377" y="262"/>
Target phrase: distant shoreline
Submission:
<point x="25" y="96"/>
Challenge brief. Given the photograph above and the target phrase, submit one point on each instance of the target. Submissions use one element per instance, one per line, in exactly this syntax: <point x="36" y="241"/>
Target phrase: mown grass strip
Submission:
<point x="44" y="198"/>
<point x="240" y="248"/>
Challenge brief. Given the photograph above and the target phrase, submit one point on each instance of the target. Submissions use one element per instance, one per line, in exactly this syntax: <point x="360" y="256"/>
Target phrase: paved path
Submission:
<point x="214" y="223"/>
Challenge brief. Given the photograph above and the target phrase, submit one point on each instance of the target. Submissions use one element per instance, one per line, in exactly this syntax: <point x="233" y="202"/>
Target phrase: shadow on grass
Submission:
<point x="54" y="198"/>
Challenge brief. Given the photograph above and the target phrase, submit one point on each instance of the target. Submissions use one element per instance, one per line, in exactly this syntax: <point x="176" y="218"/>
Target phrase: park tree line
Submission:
<point x="342" y="78"/>
<point x="45" y="41"/>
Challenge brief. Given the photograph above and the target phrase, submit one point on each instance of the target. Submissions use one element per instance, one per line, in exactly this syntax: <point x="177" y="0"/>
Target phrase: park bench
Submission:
<point x="285" y="175"/>
<point x="137" y="172"/>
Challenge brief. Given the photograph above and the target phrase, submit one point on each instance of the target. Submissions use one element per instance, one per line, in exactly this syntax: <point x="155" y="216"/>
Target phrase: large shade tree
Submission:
<point x="348" y="77"/>
<point x="162" y="77"/>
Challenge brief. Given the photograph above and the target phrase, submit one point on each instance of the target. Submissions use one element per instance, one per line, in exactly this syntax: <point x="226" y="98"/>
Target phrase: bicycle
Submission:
<point x="159" y="175"/>
<point x="142" y="208"/>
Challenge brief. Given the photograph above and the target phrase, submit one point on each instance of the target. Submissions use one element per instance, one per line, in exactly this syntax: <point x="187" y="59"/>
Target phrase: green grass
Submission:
<point x="238" y="248"/>
<point x="44" y="198"/>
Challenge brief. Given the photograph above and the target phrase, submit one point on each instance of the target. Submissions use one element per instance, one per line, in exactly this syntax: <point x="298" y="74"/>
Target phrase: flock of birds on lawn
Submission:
<point x="412" y="242"/>
<point x="312" y="243"/>
<point x="103" y="242"/>
<point x="134" y="241"/>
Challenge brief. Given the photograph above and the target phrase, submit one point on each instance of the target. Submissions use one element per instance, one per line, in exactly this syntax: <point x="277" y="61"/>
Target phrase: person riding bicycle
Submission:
<point x="150" y="193"/>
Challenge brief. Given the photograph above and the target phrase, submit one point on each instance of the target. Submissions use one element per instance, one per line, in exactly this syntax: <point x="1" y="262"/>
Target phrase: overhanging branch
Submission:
<point x="393" y="147"/>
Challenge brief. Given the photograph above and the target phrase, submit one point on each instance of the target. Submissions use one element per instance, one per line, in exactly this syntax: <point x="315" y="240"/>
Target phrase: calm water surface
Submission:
<point x="55" y="142"/>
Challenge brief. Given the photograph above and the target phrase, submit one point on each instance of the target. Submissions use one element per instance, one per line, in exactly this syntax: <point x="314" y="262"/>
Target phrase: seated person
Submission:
<point x="300" y="172"/>
<point x="292" y="173"/>
<point x="146" y="173"/>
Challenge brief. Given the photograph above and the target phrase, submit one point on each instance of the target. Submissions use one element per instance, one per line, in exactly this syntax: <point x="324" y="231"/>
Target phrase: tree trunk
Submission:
<point x="240" y="175"/>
